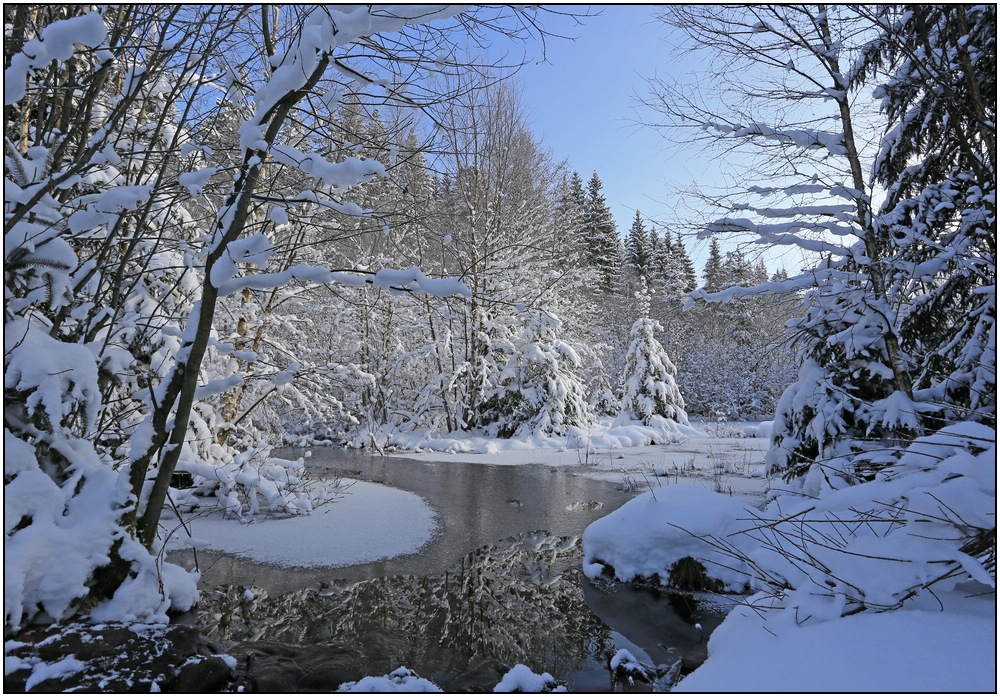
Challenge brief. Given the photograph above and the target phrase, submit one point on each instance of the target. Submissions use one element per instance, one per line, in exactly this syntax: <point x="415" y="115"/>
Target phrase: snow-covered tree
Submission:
<point x="671" y="274"/>
<point x="504" y="210"/>
<point x="638" y="247"/>
<point x="802" y="55"/>
<point x="538" y="390"/>
<point x="714" y="272"/>
<point x="689" y="279"/>
<point x="937" y="163"/>
<point x="571" y="221"/>
<point x="887" y="436"/>
<point x="649" y="386"/>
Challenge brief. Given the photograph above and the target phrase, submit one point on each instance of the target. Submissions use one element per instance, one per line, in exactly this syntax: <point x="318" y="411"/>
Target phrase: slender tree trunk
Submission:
<point x="873" y="245"/>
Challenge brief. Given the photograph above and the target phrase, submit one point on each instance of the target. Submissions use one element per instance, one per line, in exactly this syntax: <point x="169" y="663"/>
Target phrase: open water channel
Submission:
<point x="499" y="584"/>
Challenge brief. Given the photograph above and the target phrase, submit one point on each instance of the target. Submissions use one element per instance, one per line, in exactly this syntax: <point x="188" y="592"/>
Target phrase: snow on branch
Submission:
<point x="784" y="233"/>
<point x="57" y="43"/>
<point x="412" y="279"/>
<point x="809" y="139"/>
<point x="829" y="210"/>
<point x="340" y="175"/>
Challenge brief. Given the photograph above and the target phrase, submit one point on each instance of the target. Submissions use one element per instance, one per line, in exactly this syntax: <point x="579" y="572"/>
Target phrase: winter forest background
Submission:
<point x="228" y="229"/>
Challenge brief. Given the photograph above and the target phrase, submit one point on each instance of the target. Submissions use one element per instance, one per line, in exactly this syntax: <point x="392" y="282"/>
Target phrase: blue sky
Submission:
<point x="582" y="104"/>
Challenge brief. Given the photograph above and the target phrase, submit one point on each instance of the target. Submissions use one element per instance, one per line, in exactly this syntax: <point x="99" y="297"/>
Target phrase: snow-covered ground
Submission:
<point x="726" y="457"/>
<point x="872" y="587"/>
<point x="928" y="647"/>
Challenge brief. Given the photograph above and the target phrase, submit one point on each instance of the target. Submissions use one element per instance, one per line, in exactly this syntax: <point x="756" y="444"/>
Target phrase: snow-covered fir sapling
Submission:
<point x="650" y="391"/>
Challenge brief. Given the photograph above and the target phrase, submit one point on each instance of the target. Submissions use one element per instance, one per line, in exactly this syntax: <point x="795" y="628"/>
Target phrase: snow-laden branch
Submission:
<point x="784" y="233"/>
<point x="57" y="43"/>
<point x="808" y="139"/>
<point x="343" y="174"/>
<point x="412" y="279"/>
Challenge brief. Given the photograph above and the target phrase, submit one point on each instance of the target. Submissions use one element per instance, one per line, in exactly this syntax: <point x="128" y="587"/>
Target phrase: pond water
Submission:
<point x="500" y="582"/>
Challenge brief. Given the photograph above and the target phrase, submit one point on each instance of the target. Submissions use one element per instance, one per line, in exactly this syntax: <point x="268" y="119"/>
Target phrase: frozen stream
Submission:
<point x="500" y="582"/>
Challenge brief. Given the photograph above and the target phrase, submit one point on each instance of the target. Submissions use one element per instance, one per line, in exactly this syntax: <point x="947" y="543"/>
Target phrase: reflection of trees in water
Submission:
<point x="517" y="601"/>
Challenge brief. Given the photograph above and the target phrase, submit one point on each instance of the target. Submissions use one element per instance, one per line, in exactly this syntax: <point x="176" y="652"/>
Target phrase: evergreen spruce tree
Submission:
<point x="638" y="247"/>
<point x="937" y="163"/>
<point x="667" y="278"/>
<point x="657" y="249"/>
<point x="571" y="222"/>
<point x="605" y="251"/>
<point x="649" y="386"/>
<point x="714" y="274"/>
<point x="737" y="270"/>
<point x="688" y="274"/>
<point x="538" y="390"/>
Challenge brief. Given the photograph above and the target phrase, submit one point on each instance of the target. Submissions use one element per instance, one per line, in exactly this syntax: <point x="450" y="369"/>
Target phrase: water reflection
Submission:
<point x="521" y="600"/>
<point x="454" y="616"/>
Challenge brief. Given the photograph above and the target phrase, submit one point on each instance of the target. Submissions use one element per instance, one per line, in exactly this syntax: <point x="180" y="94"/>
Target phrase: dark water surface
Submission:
<point x="500" y="582"/>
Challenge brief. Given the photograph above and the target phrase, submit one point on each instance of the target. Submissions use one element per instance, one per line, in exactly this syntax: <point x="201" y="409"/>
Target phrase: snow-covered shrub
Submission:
<point x="252" y="484"/>
<point x="925" y="522"/>
<point x="626" y="668"/>
<point x="62" y="502"/>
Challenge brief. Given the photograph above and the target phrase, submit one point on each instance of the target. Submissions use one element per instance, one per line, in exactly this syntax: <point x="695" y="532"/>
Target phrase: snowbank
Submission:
<point x="606" y="435"/>
<point x="653" y="531"/>
<point x="894" y="578"/>
<point x="932" y="649"/>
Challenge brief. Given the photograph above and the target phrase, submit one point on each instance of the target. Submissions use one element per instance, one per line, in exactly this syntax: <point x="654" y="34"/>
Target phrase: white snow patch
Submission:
<point x="521" y="678"/>
<point x="49" y="671"/>
<point x="653" y="531"/>
<point x="909" y="650"/>
<point x="400" y="680"/>
<point x="371" y="522"/>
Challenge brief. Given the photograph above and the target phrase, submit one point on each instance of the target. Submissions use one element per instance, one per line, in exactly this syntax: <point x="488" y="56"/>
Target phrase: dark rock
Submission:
<point x="481" y="675"/>
<point x="270" y="667"/>
<point x="210" y="674"/>
<point x="693" y="658"/>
